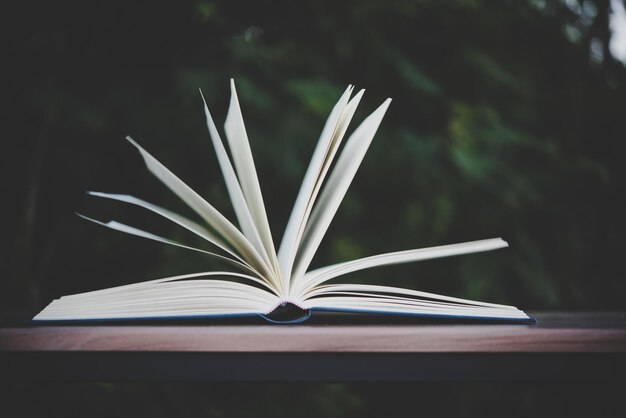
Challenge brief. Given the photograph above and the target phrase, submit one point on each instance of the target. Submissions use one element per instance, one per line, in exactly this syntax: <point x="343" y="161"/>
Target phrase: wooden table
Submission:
<point x="560" y="346"/>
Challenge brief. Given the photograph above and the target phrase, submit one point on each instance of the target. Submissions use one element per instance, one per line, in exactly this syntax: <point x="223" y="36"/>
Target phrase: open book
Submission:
<point x="261" y="280"/>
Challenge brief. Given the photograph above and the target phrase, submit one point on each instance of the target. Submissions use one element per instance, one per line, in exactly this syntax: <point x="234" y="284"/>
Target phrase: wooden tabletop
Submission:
<point x="553" y="333"/>
<point x="558" y="346"/>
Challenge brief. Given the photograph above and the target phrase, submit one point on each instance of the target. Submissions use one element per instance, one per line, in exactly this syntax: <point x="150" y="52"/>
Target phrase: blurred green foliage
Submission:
<point x="504" y="123"/>
<point x="285" y="400"/>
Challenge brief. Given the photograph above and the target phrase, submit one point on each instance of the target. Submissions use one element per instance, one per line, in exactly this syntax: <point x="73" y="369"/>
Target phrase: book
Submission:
<point x="277" y="285"/>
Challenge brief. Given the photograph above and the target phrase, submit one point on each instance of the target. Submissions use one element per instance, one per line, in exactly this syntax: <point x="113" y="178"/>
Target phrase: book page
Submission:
<point x="188" y="224"/>
<point x="336" y="188"/>
<point x="237" y="198"/>
<point x="144" y="234"/>
<point x="328" y="144"/>
<point x="211" y="215"/>
<point x="180" y="296"/>
<point x="386" y="299"/>
<point x="319" y="276"/>
<point x="288" y="245"/>
<point x="366" y="305"/>
<point x="247" y="175"/>
<point x="397" y="292"/>
<point x="181" y="277"/>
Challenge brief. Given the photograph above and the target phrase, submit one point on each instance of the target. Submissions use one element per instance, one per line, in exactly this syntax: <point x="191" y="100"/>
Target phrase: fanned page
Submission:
<point x="207" y="212"/>
<point x="237" y="198"/>
<point x="266" y="282"/>
<point x="246" y="171"/>
<point x="393" y="300"/>
<point x="324" y="274"/>
<point x="336" y="188"/>
<point x="327" y="146"/>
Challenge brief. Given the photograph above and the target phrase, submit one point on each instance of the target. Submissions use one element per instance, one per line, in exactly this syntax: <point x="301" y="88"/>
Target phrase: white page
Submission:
<point x="188" y="224"/>
<point x="190" y="289"/>
<point x="319" y="276"/>
<point x="186" y="293"/>
<point x="118" y="226"/>
<point x="329" y="142"/>
<point x="344" y="120"/>
<point x="395" y="300"/>
<point x="133" y="287"/>
<point x="247" y="175"/>
<point x="237" y="197"/>
<point x="364" y="304"/>
<point x="211" y="215"/>
<point x="328" y="290"/>
<point x="386" y="297"/>
<point x="288" y="245"/>
<point x="211" y="297"/>
<point x="336" y="188"/>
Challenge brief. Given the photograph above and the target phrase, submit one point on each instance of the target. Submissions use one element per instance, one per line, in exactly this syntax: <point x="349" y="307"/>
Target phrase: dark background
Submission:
<point x="507" y="120"/>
